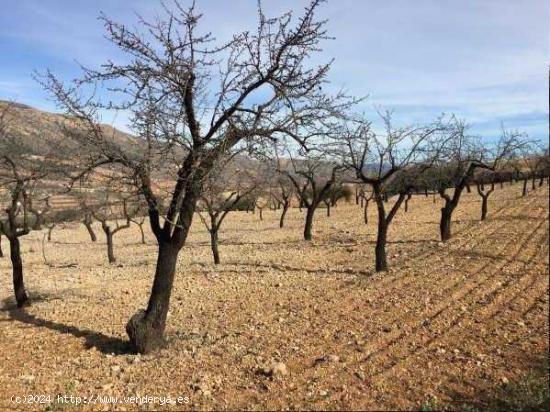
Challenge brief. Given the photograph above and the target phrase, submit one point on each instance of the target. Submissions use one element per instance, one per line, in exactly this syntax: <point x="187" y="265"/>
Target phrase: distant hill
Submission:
<point x="41" y="130"/>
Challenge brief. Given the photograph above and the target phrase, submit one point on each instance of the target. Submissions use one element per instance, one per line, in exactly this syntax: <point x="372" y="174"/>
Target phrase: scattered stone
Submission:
<point x="360" y="375"/>
<point x="279" y="369"/>
<point x="27" y="378"/>
<point x="327" y="358"/>
<point x="333" y="358"/>
<point x="276" y="369"/>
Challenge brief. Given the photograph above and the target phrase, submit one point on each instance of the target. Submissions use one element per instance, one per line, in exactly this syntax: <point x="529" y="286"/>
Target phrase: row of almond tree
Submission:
<point x="195" y="106"/>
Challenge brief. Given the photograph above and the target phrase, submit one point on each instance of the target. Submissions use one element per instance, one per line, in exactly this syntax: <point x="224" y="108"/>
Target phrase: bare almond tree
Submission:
<point x="313" y="176"/>
<point x="379" y="157"/>
<point x="139" y="220"/>
<point x="365" y="197"/>
<point x="223" y="190"/>
<point x="114" y="212"/>
<point x="40" y="212"/>
<point x="190" y="102"/>
<point x="88" y="221"/>
<point x="283" y="192"/>
<point x="22" y="172"/>
<point x="530" y="162"/>
<point x="463" y="156"/>
<point x="485" y="184"/>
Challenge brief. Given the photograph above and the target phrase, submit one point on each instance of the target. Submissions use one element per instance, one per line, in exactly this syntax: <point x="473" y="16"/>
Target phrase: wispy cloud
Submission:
<point x="484" y="60"/>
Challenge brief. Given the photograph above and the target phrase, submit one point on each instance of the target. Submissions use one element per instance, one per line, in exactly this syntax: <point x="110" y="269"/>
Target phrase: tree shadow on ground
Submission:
<point x="286" y="268"/>
<point x="103" y="343"/>
<point x="235" y="242"/>
<point x="516" y="217"/>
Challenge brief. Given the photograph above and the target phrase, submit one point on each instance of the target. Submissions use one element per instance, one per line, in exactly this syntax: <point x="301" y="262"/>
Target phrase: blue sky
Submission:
<point x="485" y="60"/>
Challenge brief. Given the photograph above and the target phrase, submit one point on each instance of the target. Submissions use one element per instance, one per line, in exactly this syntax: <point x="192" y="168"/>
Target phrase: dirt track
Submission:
<point x="451" y="322"/>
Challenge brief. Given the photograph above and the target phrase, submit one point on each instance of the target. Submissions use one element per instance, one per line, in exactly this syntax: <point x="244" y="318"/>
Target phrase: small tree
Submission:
<point x="365" y="197"/>
<point x="313" y="177"/>
<point x="377" y="158"/>
<point x="337" y="192"/>
<point x="261" y="201"/>
<point x="283" y="193"/>
<point x="40" y="214"/>
<point x="464" y="155"/>
<point x="88" y="221"/>
<point x="139" y="219"/>
<point x="531" y="162"/>
<point x="109" y="210"/>
<point x="22" y="171"/>
<point x="222" y="192"/>
<point x="485" y="184"/>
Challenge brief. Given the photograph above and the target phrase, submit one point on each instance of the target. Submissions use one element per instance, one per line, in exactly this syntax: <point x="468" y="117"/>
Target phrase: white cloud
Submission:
<point x="483" y="59"/>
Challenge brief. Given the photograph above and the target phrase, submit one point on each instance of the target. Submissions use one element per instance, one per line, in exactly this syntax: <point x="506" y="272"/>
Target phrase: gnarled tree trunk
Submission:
<point x="17" y="264"/>
<point x="384" y="222"/>
<point x="283" y="213"/>
<point x="146" y="327"/>
<point x="484" y="199"/>
<point x="214" y="245"/>
<point x="445" y="222"/>
<point x="381" y="263"/>
<point x="409" y="195"/>
<point x="88" y="223"/>
<point x="50" y="230"/>
<point x="141" y="231"/>
<point x="1" y="251"/>
<point x="110" y="251"/>
<point x="309" y="222"/>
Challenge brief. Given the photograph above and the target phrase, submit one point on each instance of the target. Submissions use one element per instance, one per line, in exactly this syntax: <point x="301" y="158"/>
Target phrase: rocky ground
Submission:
<point x="282" y="324"/>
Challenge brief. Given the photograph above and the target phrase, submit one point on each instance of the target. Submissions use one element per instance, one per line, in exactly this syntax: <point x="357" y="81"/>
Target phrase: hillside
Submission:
<point x="40" y="130"/>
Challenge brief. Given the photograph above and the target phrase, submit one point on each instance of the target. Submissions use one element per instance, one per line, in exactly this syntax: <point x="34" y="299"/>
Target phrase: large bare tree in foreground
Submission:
<point x="191" y="102"/>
